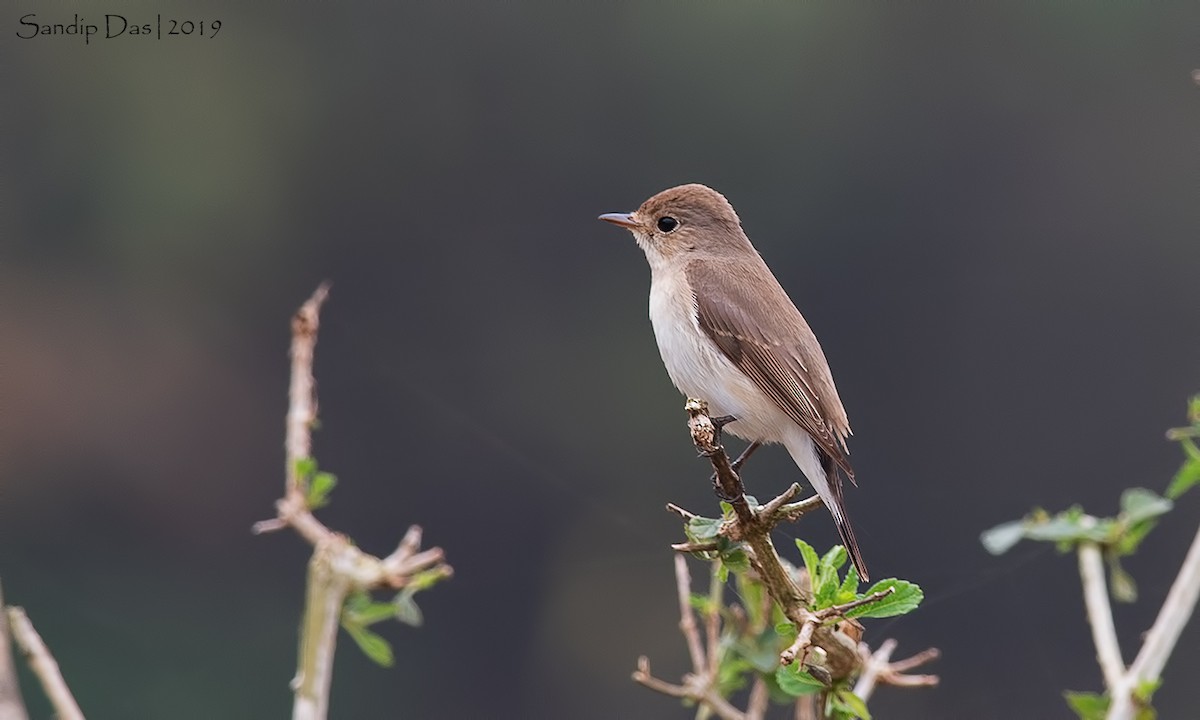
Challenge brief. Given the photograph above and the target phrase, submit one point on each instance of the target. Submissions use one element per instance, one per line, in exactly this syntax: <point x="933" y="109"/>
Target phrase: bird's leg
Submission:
<point x="741" y="459"/>
<point x="736" y="465"/>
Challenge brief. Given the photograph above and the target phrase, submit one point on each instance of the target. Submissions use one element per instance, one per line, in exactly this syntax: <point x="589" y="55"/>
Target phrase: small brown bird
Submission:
<point x="729" y="334"/>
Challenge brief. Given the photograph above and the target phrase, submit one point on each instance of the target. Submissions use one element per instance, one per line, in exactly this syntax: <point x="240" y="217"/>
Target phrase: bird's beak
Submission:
<point x="625" y="220"/>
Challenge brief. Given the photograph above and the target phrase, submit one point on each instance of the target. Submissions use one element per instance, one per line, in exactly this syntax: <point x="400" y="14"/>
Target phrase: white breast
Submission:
<point x="699" y="369"/>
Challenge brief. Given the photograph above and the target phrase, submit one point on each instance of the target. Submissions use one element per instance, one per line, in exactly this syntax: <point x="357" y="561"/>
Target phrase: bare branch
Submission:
<point x="12" y="707"/>
<point x="699" y="692"/>
<point x="878" y="668"/>
<point x="43" y="665"/>
<point x="1099" y="612"/>
<point x="337" y="567"/>
<point x="687" y="615"/>
<point x="1172" y="618"/>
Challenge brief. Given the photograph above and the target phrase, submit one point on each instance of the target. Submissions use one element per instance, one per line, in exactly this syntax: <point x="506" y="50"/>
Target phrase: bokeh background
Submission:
<point x="987" y="213"/>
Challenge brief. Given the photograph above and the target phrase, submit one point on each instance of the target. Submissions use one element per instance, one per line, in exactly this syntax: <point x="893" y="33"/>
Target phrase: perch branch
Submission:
<point x="749" y="526"/>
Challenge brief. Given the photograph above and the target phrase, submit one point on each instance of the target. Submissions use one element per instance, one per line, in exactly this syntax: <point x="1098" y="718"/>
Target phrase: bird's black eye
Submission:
<point x="667" y="223"/>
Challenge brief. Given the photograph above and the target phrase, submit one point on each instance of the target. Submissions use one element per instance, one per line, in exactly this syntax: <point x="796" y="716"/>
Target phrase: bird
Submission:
<point x="729" y="334"/>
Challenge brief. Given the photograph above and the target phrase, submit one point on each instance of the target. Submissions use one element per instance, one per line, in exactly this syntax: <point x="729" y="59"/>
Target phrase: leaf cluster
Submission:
<point x="755" y="632"/>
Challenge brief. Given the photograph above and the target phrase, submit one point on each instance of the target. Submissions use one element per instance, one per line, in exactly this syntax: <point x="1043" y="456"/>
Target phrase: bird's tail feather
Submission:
<point x="823" y="474"/>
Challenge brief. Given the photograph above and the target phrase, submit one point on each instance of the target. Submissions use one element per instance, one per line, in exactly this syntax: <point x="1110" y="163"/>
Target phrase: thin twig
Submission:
<point x="841" y="610"/>
<point x="879" y="669"/>
<point x="1099" y="612"/>
<point x="687" y="614"/>
<point x="12" y="707"/>
<point x="702" y="694"/>
<point x="1172" y="618"/>
<point x="876" y="663"/>
<point x="43" y="665"/>
<point x="693" y="547"/>
<point x="760" y="698"/>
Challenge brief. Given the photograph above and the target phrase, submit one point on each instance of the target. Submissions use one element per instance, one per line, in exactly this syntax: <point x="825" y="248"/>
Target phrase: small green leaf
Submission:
<point x="1138" y="504"/>
<point x="1120" y="582"/>
<point x="826" y="590"/>
<point x="1088" y="706"/>
<point x="761" y="652"/>
<point x="731" y="675"/>
<point x="1146" y="689"/>
<point x="366" y="612"/>
<point x="786" y="629"/>
<point x="404" y="608"/>
<point x="702" y="529"/>
<point x="810" y="562"/>
<point x="736" y="560"/>
<point x="1188" y="476"/>
<point x="834" y="559"/>
<point x="319" y="486"/>
<point x="427" y="578"/>
<point x="849" y="589"/>
<point x="1194" y="410"/>
<point x="906" y="597"/>
<point x="796" y="682"/>
<point x="1070" y="526"/>
<point x="851" y="704"/>
<point x="372" y="645"/>
<point x="305" y="467"/>
<point x="1001" y="538"/>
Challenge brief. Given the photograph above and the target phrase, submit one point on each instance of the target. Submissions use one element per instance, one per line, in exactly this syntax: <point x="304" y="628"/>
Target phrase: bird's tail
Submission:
<point x="827" y="481"/>
<point x="846" y="530"/>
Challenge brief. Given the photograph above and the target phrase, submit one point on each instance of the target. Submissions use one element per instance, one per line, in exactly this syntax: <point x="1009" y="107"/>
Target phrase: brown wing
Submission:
<point x="776" y="350"/>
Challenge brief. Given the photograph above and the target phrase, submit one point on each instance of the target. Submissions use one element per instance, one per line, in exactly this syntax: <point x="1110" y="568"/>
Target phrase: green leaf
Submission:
<point x="1188" y="476"/>
<point x="834" y="559"/>
<point x="786" y="629"/>
<point x="830" y="582"/>
<point x="1146" y="689"/>
<point x="849" y="589"/>
<point x="731" y="675"/>
<point x="702" y="529"/>
<point x="404" y="608"/>
<point x="372" y="645"/>
<point x="761" y="652"/>
<point x="1088" y="706"/>
<point x="810" y="562"/>
<point x="796" y="682"/>
<point x="319" y="487"/>
<point x="906" y="597"/>
<point x="305" y="467"/>
<point x="736" y="559"/>
<point x="1120" y="582"/>
<point x="1139" y="504"/>
<point x="362" y="610"/>
<point x="1003" y="537"/>
<point x="851" y="704"/>
<point x="1070" y="526"/>
<point x="427" y="579"/>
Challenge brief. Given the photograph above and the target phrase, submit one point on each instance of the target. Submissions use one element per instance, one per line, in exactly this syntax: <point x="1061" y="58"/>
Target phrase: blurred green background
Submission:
<point x="987" y="212"/>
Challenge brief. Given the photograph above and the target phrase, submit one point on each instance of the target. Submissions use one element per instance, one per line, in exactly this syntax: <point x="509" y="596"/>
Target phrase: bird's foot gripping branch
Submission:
<point x="796" y="636"/>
